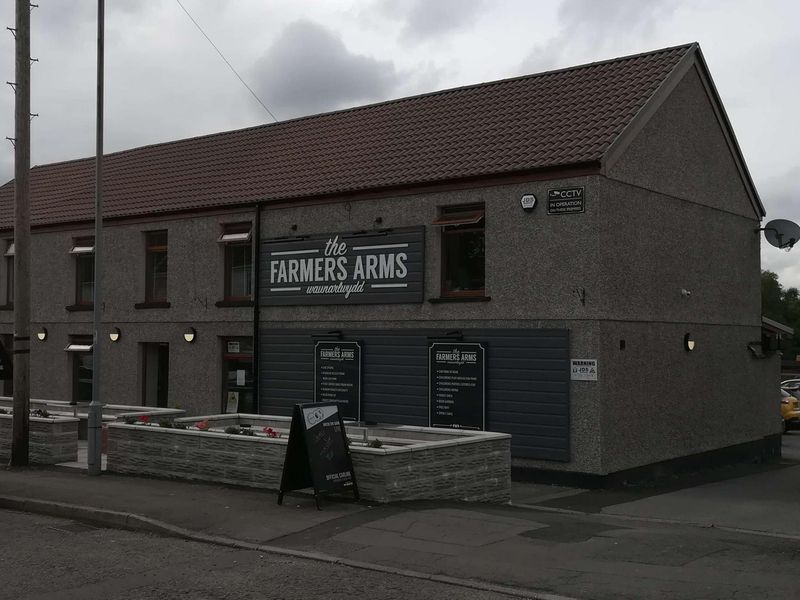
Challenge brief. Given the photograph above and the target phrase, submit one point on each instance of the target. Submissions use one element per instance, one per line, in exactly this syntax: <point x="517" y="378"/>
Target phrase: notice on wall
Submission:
<point x="232" y="404"/>
<point x="375" y="267"/>
<point x="583" y="369"/>
<point x="565" y="201"/>
<point x="337" y="376"/>
<point x="457" y="385"/>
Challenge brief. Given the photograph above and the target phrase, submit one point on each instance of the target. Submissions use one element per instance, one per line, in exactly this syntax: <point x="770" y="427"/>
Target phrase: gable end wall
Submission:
<point x="682" y="152"/>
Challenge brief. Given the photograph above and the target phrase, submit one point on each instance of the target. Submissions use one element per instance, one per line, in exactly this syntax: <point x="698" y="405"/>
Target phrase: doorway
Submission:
<point x="155" y="374"/>
<point x="7" y="364"/>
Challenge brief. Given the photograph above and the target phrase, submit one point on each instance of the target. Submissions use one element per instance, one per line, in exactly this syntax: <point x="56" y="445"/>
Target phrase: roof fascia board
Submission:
<point x="730" y="136"/>
<point x="646" y="112"/>
<point x="189" y="213"/>
<point x="584" y="169"/>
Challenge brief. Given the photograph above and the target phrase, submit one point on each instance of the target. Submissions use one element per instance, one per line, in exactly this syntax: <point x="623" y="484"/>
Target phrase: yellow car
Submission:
<point x="790" y="411"/>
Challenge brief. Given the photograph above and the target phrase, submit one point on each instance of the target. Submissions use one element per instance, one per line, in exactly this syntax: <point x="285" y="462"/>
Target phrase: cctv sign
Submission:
<point x="565" y="200"/>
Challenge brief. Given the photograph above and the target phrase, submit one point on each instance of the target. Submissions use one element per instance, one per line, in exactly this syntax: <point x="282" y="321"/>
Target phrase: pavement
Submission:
<point x="729" y="533"/>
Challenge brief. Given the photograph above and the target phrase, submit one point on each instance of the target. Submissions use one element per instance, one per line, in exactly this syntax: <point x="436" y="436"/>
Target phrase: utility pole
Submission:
<point x="22" y="237"/>
<point x="95" y="424"/>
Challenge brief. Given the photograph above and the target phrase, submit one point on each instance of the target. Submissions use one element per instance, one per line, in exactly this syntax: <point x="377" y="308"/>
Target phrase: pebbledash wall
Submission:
<point x="667" y="246"/>
<point x="195" y="283"/>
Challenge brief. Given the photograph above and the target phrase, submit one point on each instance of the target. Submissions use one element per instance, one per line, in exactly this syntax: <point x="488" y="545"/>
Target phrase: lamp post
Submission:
<point x="95" y="416"/>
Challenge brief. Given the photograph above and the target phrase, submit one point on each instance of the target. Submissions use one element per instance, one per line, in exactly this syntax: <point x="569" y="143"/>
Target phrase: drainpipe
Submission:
<point x="256" y="310"/>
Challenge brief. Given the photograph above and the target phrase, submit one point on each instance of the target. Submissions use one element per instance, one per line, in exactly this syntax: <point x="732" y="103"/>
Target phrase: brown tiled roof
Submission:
<point x="551" y="119"/>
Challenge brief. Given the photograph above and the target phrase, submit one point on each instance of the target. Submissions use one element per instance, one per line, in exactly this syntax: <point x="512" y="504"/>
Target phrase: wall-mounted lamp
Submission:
<point x="114" y="334"/>
<point x="189" y="334"/>
<point x="41" y="335"/>
<point x="688" y="342"/>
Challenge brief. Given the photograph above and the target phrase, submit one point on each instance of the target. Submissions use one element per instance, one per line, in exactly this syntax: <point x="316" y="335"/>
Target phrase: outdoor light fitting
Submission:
<point x="189" y="334"/>
<point x="41" y="335"/>
<point x="114" y="334"/>
<point x="688" y="342"/>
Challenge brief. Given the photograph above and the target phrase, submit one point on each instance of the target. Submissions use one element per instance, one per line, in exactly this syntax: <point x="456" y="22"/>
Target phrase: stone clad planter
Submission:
<point x="413" y="462"/>
<point x="52" y="440"/>
<point x="111" y="412"/>
<point x="454" y="465"/>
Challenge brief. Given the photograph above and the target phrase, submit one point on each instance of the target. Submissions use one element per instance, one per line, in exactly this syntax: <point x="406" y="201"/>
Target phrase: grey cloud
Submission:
<point x="62" y="18"/>
<point x="592" y="26"/>
<point x="6" y="169"/>
<point x="309" y="70"/>
<point x="426" y="20"/>
<point x="781" y="200"/>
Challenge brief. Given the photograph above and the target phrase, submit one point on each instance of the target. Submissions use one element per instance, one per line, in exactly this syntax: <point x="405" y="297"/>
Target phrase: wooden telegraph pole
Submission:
<point x="22" y="236"/>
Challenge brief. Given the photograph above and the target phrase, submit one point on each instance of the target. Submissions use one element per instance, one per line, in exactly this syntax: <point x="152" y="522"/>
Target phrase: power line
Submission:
<point x="222" y="56"/>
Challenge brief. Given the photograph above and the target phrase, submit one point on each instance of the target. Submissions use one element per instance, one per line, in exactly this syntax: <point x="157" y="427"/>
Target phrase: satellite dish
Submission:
<point x="782" y="234"/>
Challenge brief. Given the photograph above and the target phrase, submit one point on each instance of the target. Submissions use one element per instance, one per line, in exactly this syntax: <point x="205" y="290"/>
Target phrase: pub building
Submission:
<point x="570" y="257"/>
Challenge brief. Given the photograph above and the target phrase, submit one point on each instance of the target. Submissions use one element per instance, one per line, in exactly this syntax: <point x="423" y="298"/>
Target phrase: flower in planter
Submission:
<point x="202" y="425"/>
<point x="143" y="419"/>
<point x="270" y="432"/>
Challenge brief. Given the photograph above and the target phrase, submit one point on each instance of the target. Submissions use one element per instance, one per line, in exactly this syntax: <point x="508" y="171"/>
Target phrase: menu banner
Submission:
<point x="457" y="385"/>
<point x="337" y="376"/>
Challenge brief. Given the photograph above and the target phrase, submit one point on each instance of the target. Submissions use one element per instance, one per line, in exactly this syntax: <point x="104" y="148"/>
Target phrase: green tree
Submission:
<point x="782" y="305"/>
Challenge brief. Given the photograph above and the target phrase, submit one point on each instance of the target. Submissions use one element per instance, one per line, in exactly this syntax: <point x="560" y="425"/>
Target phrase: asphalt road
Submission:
<point x="44" y="558"/>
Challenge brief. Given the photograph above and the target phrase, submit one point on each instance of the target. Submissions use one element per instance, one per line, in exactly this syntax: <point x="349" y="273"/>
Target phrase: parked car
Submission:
<point x="790" y="411"/>
<point x="792" y="386"/>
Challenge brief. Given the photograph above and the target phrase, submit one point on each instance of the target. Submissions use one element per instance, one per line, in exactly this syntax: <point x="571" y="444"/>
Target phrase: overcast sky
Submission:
<point x="164" y="81"/>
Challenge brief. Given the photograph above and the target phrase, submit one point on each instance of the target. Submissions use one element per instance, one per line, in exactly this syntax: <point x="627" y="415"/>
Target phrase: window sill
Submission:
<point x="159" y="304"/>
<point x="234" y="303"/>
<point x="459" y="299"/>
<point x="79" y="307"/>
<point x="7" y="307"/>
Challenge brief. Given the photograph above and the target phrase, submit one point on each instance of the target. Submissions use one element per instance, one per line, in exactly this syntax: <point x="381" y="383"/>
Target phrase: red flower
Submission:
<point x="202" y="425"/>
<point x="270" y="432"/>
<point x="144" y="418"/>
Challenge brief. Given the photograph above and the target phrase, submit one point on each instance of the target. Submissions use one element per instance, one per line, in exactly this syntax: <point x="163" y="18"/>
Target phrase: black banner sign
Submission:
<point x="377" y="267"/>
<point x="337" y="376"/>
<point x="317" y="455"/>
<point x="457" y="385"/>
<point x="565" y="201"/>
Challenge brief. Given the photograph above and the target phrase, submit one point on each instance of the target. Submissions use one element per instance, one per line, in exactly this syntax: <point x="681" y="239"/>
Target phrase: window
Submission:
<point x="238" y="261"/>
<point x="463" y="268"/>
<point x="83" y="249"/>
<point x="156" y="267"/>
<point x="80" y="346"/>
<point x="10" y="273"/>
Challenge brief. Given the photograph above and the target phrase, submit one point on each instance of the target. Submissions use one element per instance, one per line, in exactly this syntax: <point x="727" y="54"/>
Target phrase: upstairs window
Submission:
<point x="156" y="266"/>
<point x="83" y="250"/>
<point x="463" y="266"/>
<point x="238" y="243"/>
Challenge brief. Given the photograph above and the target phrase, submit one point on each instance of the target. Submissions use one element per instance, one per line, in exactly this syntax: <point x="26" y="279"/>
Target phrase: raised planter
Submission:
<point x="52" y="439"/>
<point x="111" y="412"/>
<point x="412" y="462"/>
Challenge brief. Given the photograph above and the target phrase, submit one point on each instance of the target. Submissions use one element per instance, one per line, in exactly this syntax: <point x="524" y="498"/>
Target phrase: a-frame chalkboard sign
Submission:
<point x="317" y="455"/>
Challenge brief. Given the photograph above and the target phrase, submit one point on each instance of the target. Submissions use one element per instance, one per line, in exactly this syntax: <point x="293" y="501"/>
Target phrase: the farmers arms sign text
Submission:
<point x="362" y="268"/>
